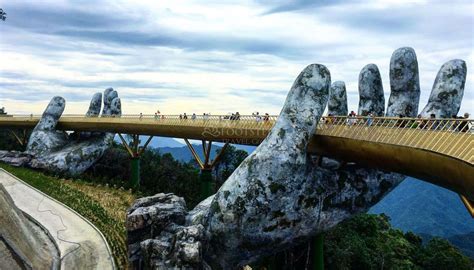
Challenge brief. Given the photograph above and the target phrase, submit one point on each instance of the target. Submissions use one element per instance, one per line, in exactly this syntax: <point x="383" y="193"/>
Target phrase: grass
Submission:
<point x="104" y="206"/>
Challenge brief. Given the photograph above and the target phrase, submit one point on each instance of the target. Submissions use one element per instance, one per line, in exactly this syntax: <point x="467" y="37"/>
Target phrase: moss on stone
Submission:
<point x="275" y="187"/>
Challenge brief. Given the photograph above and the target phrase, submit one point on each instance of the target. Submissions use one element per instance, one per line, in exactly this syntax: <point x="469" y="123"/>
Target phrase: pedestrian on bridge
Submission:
<point x="464" y="125"/>
<point x="266" y="118"/>
<point x="433" y="121"/>
<point x="370" y="119"/>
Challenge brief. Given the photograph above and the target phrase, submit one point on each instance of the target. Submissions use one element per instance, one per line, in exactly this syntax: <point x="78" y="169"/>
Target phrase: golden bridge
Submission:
<point x="440" y="151"/>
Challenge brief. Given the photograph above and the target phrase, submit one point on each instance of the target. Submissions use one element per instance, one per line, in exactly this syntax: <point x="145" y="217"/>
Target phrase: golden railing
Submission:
<point x="450" y="137"/>
<point x="242" y="121"/>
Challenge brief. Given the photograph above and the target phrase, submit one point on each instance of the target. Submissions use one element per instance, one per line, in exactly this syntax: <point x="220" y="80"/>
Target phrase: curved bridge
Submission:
<point x="440" y="151"/>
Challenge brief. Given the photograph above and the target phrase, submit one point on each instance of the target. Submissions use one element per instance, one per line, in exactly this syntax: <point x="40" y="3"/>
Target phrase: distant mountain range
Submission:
<point x="156" y="142"/>
<point x="183" y="154"/>
<point x="429" y="210"/>
<point x="425" y="208"/>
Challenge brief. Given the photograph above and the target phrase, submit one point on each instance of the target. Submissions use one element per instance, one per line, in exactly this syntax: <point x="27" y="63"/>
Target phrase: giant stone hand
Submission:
<point x="278" y="197"/>
<point x="58" y="152"/>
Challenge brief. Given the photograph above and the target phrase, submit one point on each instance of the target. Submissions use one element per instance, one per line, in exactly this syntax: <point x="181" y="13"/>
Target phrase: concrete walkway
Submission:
<point x="81" y="245"/>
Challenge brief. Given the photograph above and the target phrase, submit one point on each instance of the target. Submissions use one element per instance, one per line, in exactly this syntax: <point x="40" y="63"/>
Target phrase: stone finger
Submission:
<point x="302" y="110"/>
<point x="116" y="107"/>
<point x="337" y="104"/>
<point x="109" y="95"/>
<point x="51" y="114"/>
<point x="404" y="84"/>
<point x="448" y="90"/>
<point x="95" y="105"/>
<point x="371" y="98"/>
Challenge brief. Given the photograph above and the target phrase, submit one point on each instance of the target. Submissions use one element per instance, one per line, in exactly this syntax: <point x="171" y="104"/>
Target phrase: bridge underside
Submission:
<point x="441" y="170"/>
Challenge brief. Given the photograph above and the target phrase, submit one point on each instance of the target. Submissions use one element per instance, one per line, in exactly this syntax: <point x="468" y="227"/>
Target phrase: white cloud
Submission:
<point x="215" y="57"/>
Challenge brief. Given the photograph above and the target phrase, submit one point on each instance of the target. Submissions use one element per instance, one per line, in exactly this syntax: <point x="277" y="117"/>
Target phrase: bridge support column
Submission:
<point x="318" y="255"/>
<point x="206" y="183"/>
<point x="135" y="171"/>
<point x="469" y="205"/>
<point x="135" y="152"/>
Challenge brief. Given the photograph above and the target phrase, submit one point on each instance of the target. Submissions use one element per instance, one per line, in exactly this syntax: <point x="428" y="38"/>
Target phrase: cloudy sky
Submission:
<point x="217" y="57"/>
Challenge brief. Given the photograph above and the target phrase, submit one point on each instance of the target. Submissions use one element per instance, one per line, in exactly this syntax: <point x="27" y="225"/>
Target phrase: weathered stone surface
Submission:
<point x="15" y="158"/>
<point x="448" y="90"/>
<point x="53" y="150"/>
<point x="404" y="84"/>
<point x="371" y="98"/>
<point x="157" y="236"/>
<point x="337" y="104"/>
<point x="22" y="244"/>
<point x="45" y="137"/>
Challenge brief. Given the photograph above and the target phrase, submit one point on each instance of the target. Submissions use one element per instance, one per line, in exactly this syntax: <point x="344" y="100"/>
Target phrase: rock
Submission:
<point x="404" y="84"/>
<point x="157" y="236"/>
<point x="371" y="97"/>
<point x="337" y="104"/>
<point x="448" y="90"/>
<point x="22" y="244"/>
<point x="15" y="158"/>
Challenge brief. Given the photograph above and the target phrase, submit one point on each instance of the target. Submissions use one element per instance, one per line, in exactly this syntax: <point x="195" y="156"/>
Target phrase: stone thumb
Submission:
<point x="302" y="110"/>
<point x="51" y="115"/>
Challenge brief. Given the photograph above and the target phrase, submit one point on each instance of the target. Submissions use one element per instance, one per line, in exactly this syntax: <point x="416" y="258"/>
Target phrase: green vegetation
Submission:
<point x="229" y="161"/>
<point x="105" y="207"/>
<point x="161" y="172"/>
<point x="369" y="242"/>
<point x="8" y="141"/>
<point x="158" y="173"/>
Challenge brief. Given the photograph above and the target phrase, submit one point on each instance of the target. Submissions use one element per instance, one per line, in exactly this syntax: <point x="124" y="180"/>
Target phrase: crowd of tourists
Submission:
<point x="456" y="123"/>
<point x="206" y="116"/>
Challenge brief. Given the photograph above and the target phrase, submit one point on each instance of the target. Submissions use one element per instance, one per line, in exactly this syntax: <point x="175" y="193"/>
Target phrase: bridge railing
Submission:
<point x="259" y="118"/>
<point x="254" y="122"/>
<point x="452" y="137"/>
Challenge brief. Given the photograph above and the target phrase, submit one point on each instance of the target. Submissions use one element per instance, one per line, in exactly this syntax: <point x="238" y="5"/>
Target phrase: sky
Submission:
<point x="216" y="56"/>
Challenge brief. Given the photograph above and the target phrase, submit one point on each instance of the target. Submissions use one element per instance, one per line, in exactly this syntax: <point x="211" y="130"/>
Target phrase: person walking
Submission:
<point x="370" y="119"/>
<point x="266" y="118"/>
<point x="464" y="125"/>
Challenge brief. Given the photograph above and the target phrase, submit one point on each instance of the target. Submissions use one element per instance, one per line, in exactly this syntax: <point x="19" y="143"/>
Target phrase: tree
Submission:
<point x="230" y="159"/>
